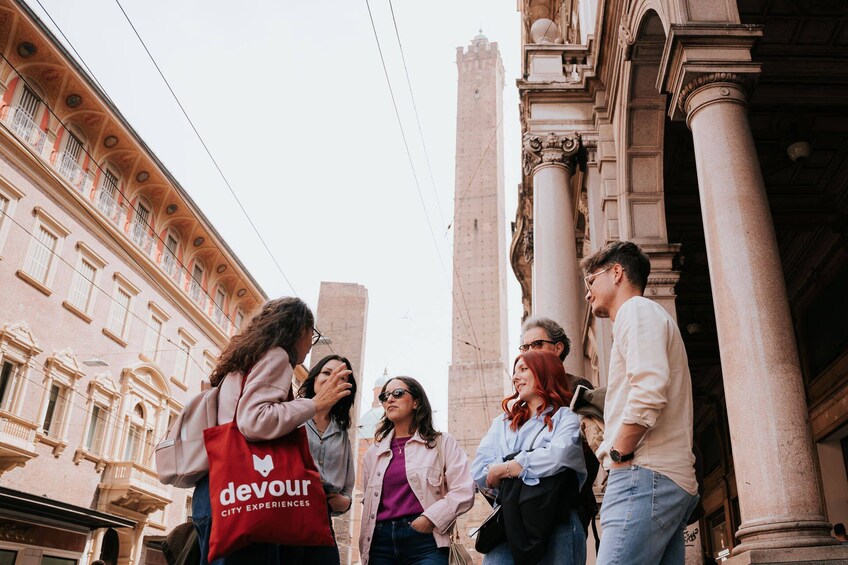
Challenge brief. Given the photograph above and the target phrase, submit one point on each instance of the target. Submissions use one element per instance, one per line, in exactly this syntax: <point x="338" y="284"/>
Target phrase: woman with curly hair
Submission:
<point x="257" y="367"/>
<point x="416" y="482"/>
<point x="537" y="436"/>
<point x="329" y="444"/>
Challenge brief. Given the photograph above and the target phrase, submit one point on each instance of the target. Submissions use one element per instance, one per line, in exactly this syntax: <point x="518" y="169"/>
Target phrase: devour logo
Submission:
<point x="263" y="466"/>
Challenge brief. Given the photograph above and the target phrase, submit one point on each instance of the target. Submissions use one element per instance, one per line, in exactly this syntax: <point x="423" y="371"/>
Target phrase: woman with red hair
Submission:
<point x="538" y="436"/>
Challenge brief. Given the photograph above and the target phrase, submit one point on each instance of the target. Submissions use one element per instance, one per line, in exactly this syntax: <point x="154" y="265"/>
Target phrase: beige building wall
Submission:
<point x="478" y="377"/>
<point x="104" y="332"/>
<point x="342" y="319"/>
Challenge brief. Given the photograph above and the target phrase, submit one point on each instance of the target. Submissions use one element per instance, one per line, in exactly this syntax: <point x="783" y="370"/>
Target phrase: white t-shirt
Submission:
<point x="649" y="385"/>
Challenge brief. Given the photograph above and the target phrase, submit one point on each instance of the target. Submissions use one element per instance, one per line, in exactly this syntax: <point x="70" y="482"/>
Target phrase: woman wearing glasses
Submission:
<point x="329" y="444"/>
<point x="417" y="482"/>
<point x="264" y="355"/>
<point x="538" y="436"/>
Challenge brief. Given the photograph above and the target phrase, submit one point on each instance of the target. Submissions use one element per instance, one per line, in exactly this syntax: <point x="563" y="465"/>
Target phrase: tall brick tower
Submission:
<point x="477" y="377"/>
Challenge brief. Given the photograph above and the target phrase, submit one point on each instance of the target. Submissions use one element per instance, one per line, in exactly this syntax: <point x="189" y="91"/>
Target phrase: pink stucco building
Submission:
<point x="117" y="295"/>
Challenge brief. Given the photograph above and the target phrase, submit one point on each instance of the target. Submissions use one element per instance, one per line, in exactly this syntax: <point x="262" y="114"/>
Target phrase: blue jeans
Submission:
<point x="396" y="543"/>
<point x="567" y="546"/>
<point x="643" y="516"/>
<point x="258" y="553"/>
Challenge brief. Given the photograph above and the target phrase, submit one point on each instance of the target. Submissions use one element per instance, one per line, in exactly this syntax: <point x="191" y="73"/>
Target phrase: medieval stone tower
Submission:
<point x="478" y="378"/>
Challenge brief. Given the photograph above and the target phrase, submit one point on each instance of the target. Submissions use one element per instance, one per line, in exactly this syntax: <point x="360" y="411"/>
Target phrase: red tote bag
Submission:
<point x="263" y="492"/>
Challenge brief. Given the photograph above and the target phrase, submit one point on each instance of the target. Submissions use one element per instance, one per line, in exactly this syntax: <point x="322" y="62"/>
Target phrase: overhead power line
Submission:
<point x="417" y="117"/>
<point x="469" y="327"/>
<point x="206" y="149"/>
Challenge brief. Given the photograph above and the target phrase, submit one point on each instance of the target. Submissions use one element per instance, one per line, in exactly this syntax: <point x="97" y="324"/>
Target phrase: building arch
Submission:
<point x="642" y="131"/>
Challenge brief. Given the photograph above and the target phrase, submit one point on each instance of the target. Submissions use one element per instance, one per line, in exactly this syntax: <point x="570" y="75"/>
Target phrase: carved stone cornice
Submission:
<point x="552" y="149"/>
<point x="745" y="81"/>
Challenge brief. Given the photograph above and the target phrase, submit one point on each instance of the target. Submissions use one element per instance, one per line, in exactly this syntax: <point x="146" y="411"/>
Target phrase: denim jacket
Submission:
<point x="444" y="494"/>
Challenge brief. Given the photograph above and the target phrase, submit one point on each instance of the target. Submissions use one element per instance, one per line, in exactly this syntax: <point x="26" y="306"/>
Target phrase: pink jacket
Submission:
<point x="264" y="411"/>
<point x="441" y="506"/>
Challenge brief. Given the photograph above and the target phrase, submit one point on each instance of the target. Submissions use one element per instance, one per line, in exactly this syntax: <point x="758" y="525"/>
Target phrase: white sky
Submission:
<point x="292" y="101"/>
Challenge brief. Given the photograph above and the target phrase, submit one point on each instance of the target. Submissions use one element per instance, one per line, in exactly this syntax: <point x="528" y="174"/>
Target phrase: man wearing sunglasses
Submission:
<point x="543" y="333"/>
<point x="647" y="448"/>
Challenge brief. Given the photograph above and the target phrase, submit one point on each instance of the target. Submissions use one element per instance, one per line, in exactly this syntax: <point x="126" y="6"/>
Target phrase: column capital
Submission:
<point x="708" y="88"/>
<point x="552" y="149"/>
<point x="699" y="55"/>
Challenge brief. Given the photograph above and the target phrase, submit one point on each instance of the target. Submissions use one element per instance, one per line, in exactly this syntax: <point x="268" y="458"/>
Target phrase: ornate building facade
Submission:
<point x="712" y="133"/>
<point x="478" y="378"/>
<point x="117" y="297"/>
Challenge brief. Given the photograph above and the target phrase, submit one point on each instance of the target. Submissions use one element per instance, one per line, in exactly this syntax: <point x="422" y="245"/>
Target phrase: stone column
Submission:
<point x="774" y="459"/>
<point x="557" y="293"/>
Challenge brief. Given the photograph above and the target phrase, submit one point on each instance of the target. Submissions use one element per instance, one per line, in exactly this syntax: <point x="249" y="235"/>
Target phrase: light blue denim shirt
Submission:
<point x="553" y="451"/>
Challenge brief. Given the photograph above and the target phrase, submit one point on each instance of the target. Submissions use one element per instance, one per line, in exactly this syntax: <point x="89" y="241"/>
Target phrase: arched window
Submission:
<point x="108" y="193"/>
<point x="170" y="256"/>
<point x="218" y="312"/>
<point x="141" y="224"/>
<point x="26" y="113"/>
<point x="135" y="435"/>
<point x="238" y="320"/>
<point x="195" y="287"/>
<point x="70" y="156"/>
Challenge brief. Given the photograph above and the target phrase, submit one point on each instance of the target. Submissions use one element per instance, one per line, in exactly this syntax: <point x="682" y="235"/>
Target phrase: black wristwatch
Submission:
<point x="618" y="457"/>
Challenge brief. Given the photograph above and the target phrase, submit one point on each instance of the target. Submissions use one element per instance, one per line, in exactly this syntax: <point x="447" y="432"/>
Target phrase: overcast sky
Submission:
<point x="292" y="101"/>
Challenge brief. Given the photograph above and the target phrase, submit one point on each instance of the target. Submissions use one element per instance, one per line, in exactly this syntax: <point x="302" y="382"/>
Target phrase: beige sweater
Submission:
<point x="264" y="412"/>
<point x="649" y="385"/>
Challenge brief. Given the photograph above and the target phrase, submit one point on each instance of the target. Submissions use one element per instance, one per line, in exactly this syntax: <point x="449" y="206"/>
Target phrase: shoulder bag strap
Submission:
<point x="533" y="443"/>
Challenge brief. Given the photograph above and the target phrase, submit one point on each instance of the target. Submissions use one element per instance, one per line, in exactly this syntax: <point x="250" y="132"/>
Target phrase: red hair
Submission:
<point x="551" y="385"/>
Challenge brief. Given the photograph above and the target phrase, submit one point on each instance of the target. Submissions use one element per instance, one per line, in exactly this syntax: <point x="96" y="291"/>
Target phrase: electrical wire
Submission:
<point x="206" y="148"/>
<point x="417" y="117"/>
<point x="470" y="331"/>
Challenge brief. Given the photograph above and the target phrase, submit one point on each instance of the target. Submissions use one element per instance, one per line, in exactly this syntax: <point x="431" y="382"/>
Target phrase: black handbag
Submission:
<point x="530" y="513"/>
<point x="492" y="532"/>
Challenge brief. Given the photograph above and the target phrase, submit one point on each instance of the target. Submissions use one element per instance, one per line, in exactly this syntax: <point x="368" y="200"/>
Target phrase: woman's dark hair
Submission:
<point x="340" y="411"/>
<point x="551" y="385"/>
<point x="279" y="323"/>
<point x="422" y="415"/>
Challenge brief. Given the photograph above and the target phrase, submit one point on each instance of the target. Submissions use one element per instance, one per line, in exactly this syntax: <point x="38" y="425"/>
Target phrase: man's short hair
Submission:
<point x="554" y="331"/>
<point x="839" y="529"/>
<point x="632" y="259"/>
<point x="98" y="562"/>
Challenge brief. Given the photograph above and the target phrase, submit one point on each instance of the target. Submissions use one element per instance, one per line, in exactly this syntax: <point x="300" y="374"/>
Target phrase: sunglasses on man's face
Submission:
<point x="396" y="393"/>
<point x="536" y="344"/>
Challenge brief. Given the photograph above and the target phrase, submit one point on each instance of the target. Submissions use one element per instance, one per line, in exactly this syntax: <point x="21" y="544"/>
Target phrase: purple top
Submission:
<point x="398" y="499"/>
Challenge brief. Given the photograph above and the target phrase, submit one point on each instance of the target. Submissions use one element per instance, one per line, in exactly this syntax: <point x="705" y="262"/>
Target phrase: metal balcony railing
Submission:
<point x="197" y="294"/>
<point x="26" y="129"/>
<point x="69" y="168"/>
<point x="110" y="208"/>
<point x="138" y="233"/>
